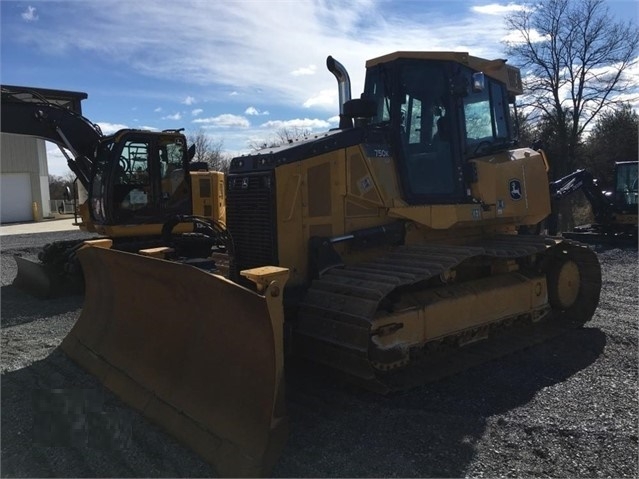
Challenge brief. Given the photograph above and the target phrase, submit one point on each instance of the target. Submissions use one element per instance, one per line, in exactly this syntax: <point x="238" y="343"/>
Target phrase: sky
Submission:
<point x="236" y="70"/>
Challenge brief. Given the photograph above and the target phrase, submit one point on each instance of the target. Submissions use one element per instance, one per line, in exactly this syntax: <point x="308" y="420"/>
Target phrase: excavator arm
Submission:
<point x="602" y="208"/>
<point x="25" y="112"/>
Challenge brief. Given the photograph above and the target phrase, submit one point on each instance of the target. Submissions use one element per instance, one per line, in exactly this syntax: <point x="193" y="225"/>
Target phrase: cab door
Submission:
<point x="132" y="179"/>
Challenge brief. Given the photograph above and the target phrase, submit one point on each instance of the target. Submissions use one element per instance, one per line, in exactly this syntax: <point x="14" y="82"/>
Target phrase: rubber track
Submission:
<point x="338" y="309"/>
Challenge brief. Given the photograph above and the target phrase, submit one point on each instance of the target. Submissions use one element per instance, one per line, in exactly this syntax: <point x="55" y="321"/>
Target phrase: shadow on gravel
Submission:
<point x="18" y="307"/>
<point x="336" y="430"/>
<point x="58" y="421"/>
<point x="430" y="431"/>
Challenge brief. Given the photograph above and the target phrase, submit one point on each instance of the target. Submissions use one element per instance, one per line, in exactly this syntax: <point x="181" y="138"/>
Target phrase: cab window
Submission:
<point x="425" y="131"/>
<point x="486" y="117"/>
<point x="171" y="167"/>
<point x="131" y="185"/>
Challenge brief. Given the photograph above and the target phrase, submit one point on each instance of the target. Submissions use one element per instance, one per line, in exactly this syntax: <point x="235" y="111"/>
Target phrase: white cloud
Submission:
<point x="211" y="57"/>
<point x="30" y="15"/>
<point x="224" y="121"/>
<point x="305" y="123"/>
<point x="175" y="116"/>
<point x="252" y="111"/>
<point x="110" y="128"/>
<point x="189" y="100"/>
<point x="497" y="8"/>
<point x="240" y="64"/>
<point x="158" y="109"/>
<point x="309" y="70"/>
<point x="515" y="37"/>
<point x="262" y="65"/>
<point x="323" y="98"/>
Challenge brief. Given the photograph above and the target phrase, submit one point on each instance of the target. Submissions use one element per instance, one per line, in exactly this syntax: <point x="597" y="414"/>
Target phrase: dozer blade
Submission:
<point x="196" y="353"/>
<point x="44" y="281"/>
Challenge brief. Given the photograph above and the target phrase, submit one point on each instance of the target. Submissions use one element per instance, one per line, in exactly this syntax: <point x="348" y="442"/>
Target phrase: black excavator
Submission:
<point x="615" y="212"/>
<point x="131" y="184"/>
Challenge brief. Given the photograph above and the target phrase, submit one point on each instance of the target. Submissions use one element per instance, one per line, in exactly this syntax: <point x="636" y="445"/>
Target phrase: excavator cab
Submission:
<point x="133" y="178"/>
<point x="140" y="177"/>
<point x="626" y="185"/>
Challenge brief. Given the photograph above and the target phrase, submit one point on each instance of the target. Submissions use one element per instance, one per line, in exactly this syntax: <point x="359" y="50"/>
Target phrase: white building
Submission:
<point x="24" y="173"/>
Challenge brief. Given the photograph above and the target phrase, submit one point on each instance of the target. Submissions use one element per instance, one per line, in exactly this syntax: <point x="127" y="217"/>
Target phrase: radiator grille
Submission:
<point x="251" y="219"/>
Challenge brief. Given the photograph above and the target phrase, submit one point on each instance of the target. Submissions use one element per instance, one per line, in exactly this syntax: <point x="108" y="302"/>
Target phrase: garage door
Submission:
<point x="15" y="198"/>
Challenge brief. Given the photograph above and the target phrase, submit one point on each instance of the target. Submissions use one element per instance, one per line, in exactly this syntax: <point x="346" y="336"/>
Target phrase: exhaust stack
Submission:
<point x="344" y="86"/>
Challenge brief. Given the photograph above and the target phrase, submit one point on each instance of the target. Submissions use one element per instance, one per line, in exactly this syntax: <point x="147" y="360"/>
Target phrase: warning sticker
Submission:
<point x="365" y="184"/>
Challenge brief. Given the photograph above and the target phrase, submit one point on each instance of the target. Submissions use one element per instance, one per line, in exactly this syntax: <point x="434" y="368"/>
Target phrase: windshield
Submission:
<point x="486" y="118"/>
<point x="626" y="184"/>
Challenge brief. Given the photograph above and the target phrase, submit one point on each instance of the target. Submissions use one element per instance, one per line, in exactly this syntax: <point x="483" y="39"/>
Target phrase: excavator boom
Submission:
<point x="24" y="112"/>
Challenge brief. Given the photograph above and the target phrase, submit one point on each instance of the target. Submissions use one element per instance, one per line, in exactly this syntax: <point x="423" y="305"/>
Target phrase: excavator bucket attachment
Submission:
<point x="194" y="352"/>
<point x="45" y="281"/>
<point x="34" y="278"/>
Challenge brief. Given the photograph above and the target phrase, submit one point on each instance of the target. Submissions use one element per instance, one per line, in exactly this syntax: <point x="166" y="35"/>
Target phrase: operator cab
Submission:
<point x="140" y="177"/>
<point x="442" y="111"/>
<point x="626" y="185"/>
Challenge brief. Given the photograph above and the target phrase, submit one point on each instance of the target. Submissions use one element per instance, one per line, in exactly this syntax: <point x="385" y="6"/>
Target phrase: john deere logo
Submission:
<point x="515" y="189"/>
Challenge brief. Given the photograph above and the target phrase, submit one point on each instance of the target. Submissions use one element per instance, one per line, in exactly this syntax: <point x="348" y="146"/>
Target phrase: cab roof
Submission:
<point x="496" y="69"/>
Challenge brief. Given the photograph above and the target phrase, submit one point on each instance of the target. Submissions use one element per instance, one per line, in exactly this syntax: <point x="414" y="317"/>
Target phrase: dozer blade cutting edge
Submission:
<point x="195" y="353"/>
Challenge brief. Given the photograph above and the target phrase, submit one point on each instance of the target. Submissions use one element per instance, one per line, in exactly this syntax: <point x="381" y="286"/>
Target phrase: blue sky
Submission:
<point x="238" y="70"/>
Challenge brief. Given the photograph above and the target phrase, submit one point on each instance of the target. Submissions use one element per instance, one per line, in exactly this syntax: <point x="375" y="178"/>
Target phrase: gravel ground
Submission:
<point x="566" y="408"/>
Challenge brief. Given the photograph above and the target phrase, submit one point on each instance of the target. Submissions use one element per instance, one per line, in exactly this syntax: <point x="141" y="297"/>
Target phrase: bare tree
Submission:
<point x="209" y="151"/>
<point x="289" y="135"/>
<point x="527" y="131"/>
<point x="281" y="137"/>
<point x="573" y="56"/>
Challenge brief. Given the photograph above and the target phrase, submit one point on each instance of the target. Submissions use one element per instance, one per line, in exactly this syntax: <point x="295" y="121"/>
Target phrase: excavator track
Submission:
<point x="336" y="318"/>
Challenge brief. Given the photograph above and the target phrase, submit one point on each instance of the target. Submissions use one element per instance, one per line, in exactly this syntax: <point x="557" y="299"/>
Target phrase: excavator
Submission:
<point x="615" y="212"/>
<point x="388" y="251"/>
<point x="131" y="184"/>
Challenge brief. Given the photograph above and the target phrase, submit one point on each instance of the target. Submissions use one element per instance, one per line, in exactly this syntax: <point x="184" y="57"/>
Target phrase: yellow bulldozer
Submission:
<point x="382" y="250"/>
